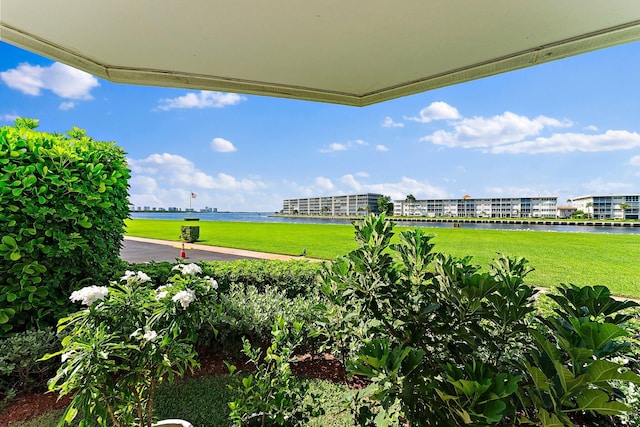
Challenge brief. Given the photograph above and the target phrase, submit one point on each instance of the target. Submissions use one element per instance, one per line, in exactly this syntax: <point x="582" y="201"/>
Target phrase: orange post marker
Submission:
<point x="183" y="254"/>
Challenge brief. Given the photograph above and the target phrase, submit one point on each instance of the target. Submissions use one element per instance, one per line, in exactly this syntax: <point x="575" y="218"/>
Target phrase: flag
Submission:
<point x="194" y="195"/>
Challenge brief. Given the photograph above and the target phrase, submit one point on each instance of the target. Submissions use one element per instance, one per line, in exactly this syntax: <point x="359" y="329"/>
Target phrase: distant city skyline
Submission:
<point x="567" y="128"/>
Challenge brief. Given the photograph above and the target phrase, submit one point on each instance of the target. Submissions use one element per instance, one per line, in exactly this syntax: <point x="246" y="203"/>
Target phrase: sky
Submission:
<point x="567" y="128"/>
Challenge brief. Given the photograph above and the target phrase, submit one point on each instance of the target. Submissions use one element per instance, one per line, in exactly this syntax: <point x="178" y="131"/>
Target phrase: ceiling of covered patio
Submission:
<point x="355" y="52"/>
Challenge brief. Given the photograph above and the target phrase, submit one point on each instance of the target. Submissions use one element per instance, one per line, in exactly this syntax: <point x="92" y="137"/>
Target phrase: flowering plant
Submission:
<point x="130" y="338"/>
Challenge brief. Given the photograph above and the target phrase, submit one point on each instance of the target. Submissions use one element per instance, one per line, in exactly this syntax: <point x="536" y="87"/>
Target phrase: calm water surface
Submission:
<point x="268" y="217"/>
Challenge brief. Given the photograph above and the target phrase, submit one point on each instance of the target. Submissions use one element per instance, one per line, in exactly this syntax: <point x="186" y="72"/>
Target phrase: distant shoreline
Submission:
<point x="523" y="221"/>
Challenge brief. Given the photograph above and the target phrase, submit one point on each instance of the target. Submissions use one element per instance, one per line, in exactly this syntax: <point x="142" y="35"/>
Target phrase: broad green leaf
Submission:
<point x="9" y="241"/>
<point x="29" y="181"/>
<point x="597" y="400"/>
<point x="493" y="411"/>
<point x="597" y="335"/>
<point x="604" y="370"/>
<point x="549" y="420"/>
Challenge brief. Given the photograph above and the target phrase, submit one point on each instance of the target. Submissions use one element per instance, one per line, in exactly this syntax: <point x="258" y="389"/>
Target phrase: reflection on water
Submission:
<point x="268" y="217"/>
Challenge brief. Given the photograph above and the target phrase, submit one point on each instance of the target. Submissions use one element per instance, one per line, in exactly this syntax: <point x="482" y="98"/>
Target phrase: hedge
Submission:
<point x="63" y="202"/>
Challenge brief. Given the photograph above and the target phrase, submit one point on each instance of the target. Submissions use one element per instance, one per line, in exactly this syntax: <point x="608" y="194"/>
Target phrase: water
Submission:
<point x="269" y="217"/>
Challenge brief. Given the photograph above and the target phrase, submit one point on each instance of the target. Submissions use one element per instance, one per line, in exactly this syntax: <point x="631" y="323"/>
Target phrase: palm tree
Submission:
<point x="411" y="199"/>
<point x="589" y="207"/>
<point x="624" y="207"/>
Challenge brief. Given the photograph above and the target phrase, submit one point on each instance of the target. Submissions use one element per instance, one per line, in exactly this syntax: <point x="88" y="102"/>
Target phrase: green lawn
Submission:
<point x="580" y="258"/>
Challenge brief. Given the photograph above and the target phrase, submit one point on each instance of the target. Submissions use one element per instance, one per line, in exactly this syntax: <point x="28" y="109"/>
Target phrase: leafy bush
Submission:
<point x="270" y="395"/>
<point x="20" y="368"/>
<point x="245" y="312"/>
<point x="63" y="201"/>
<point x="130" y="339"/>
<point x="576" y="363"/>
<point x="294" y="277"/>
<point x="450" y="345"/>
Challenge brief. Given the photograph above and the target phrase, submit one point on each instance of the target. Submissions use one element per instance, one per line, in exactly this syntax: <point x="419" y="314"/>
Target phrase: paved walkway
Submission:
<point x="140" y="249"/>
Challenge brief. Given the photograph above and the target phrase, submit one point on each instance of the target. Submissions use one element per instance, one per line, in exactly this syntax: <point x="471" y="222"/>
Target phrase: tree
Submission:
<point x="589" y="207"/>
<point x="385" y="205"/>
<point x="624" y="207"/>
<point x="409" y="200"/>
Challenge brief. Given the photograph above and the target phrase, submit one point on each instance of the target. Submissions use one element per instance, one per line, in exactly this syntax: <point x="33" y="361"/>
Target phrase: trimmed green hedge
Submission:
<point x="294" y="277"/>
<point x="63" y="202"/>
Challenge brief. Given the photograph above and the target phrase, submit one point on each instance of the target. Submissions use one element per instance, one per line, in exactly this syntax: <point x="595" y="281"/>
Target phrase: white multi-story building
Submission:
<point x="495" y="207"/>
<point x="347" y="205"/>
<point x="616" y="206"/>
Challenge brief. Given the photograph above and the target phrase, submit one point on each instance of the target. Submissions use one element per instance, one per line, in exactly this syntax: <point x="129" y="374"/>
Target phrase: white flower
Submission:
<point x="89" y="294"/>
<point x="161" y="292"/>
<point x="212" y="282"/>
<point x="188" y="269"/>
<point x="185" y="298"/>
<point x="67" y="356"/>
<point x="140" y="276"/>
<point x="150" y="335"/>
<point x="128" y="275"/>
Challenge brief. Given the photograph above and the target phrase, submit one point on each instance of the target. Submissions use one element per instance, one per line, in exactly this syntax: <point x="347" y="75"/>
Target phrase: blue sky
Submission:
<point x="566" y="128"/>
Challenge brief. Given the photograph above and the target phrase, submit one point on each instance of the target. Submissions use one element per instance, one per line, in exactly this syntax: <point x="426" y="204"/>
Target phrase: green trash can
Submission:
<point x="190" y="233"/>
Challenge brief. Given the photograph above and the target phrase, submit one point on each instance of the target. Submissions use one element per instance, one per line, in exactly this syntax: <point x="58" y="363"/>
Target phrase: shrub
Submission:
<point x="294" y="277"/>
<point x="449" y="345"/>
<point x="270" y="395"/>
<point x="20" y="368"/>
<point x="63" y="201"/>
<point x="247" y="313"/>
<point x="128" y="340"/>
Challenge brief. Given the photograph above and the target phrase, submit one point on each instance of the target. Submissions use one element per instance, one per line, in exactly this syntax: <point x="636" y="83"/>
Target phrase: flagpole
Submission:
<point x="190" y="197"/>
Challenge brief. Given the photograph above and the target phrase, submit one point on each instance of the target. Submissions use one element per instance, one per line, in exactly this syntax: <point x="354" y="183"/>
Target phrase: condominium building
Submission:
<point x="611" y="206"/>
<point x="348" y="205"/>
<point x="495" y="207"/>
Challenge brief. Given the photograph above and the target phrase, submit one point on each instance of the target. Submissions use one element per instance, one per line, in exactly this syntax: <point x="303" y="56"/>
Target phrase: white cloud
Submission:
<point x="222" y="145"/>
<point x="64" y="81"/>
<point x="591" y="128"/>
<point x="381" y="147"/>
<point x="480" y="132"/>
<point x="611" y="140"/>
<point x="202" y="99"/>
<point x="389" y="123"/>
<point x="362" y="174"/>
<point x="8" y="117"/>
<point x="514" y="191"/>
<point x="351" y="182"/>
<point x="324" y="183"/>
<point x="335" y="146"/>
<point x="171" y="170"/>
<point x="436" y="111"/>
<point x="343" y="146"/>
<point x="634" y="161"/>
<point x="65" y="106"/>
<point x="395" y="190"/>
<point x="598" y="186"/>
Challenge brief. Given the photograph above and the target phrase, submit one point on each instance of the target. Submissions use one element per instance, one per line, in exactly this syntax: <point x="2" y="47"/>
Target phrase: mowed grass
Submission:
<point x="580" y="258"/>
